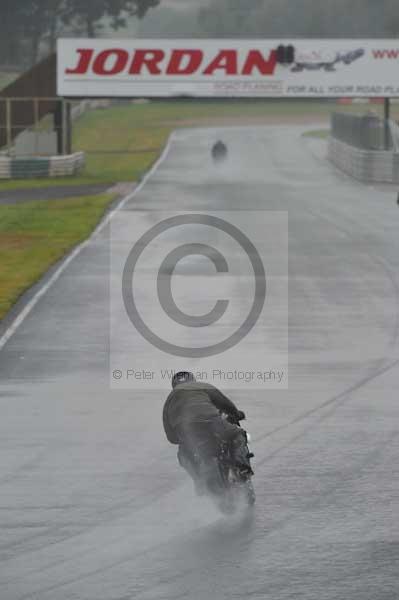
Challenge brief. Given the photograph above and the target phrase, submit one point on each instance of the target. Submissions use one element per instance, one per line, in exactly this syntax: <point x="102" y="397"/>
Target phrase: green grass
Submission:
<point x="35" y="235"/>
<point x="318" y="133"/>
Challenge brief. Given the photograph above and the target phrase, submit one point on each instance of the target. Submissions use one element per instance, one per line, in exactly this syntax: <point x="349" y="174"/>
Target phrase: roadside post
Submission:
<point x="387" y="116"/>
<point x="9" y="125"/>
<point x="64" y="126"/>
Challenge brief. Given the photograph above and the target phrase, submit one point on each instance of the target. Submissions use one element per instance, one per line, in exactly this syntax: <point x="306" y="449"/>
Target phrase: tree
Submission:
<point x="38" y="20"/>
<point x="10" y="29"/>
<point x="168" y="22"/>
<point x="302" y="18"/>
<point x="26" y="24"/>
<point x="90" y="12"/>
<point x="391" y="17"/>
<point x="224" y="18"/>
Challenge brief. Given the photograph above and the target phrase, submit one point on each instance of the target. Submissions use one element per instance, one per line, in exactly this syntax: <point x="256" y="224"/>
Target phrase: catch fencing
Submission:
<point x="368" y="132"/>
<point x="365" y="147"/>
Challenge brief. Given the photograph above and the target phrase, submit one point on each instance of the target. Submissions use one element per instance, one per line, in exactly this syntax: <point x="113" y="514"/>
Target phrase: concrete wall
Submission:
<point x="58" y="166"/>
<point x="370" y="166"/>
<point x="35" y="143"/>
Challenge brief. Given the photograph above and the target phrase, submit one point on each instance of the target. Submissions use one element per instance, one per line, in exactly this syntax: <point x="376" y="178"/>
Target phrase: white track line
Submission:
<point x="45" y="287"/>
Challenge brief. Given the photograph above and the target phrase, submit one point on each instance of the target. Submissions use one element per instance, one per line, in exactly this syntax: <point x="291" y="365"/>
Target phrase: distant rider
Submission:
<point x="192" y="419"/>
<point x="219" y="150"/>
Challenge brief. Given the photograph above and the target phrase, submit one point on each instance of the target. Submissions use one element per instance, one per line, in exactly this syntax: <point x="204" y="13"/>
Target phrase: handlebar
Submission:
<point x="232" y="419"/>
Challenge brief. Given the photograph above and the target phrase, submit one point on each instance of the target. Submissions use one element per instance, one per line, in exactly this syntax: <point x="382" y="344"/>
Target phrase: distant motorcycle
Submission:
<point x="219" y="151"/>
<point x="228" y="485"/>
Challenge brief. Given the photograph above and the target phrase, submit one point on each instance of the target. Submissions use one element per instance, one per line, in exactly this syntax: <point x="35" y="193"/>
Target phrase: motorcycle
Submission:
<point x="228" y="485"/>
<point x="219" y="151"/>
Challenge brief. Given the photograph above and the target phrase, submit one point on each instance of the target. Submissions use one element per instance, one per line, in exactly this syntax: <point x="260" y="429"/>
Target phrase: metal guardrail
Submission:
<point x="367" y="132"/>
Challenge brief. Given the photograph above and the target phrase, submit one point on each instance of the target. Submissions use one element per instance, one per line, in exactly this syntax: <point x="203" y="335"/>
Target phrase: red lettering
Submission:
<point x="386" y="53"/>
<point x="226" y="60"/>
<point x="255" y="60"/>
<point x="181" y="62"/>
<point x="120" y="59"/>
<point x="149" y="59"/>
<point x="85" y="56"/>
<point x="193" y="60"/>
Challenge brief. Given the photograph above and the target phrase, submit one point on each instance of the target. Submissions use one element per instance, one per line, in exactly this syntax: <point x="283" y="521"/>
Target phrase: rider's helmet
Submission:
<point x="219" y="145"/>
<point x="182" y="377"/>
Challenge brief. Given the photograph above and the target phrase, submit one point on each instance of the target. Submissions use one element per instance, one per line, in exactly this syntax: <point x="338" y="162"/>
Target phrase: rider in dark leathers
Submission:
<point x="192" y="419"/>
<point x="219" y="150"/>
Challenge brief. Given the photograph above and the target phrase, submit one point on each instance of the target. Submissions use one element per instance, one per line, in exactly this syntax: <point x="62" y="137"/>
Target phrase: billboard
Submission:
<point x="237" y="68"/>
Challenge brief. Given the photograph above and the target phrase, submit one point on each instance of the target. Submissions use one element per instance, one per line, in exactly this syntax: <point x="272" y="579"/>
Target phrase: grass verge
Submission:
<point x="317" y="133"/>
<point x="35" y="235"/>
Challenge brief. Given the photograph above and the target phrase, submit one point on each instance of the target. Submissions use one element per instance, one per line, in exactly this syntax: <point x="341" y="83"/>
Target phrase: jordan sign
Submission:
<point x="240" y="68"/>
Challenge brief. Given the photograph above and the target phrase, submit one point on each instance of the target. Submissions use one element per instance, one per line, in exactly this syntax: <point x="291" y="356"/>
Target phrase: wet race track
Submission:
<point x="92" y="503"/>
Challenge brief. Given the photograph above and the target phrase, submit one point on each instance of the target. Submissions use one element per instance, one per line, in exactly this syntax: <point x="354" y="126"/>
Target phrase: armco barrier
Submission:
<point x="57" y="166"/>
<point x="370" y="166"/>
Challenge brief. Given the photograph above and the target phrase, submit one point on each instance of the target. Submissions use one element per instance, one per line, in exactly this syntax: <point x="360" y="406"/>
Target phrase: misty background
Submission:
<point x="29" y="28"/>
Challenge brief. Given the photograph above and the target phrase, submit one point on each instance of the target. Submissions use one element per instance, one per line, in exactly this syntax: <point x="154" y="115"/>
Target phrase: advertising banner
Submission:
<point x="236" y="68"/>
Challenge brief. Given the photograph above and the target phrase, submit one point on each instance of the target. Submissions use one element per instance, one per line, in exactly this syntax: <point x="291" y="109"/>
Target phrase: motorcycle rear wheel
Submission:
<point x="250" y="495"/>
<point x="227" y="503"/>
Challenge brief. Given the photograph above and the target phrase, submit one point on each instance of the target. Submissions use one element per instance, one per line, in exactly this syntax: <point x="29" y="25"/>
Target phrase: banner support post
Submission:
<point x="9" y="125"/>
<point x="64" y="126"/>
<point x="387" y="116"/>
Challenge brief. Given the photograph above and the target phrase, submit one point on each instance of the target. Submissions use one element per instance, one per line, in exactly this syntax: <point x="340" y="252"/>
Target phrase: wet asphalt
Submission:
<point x="92" y="503"/>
